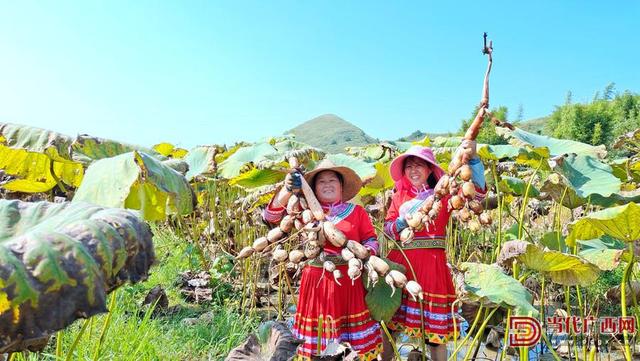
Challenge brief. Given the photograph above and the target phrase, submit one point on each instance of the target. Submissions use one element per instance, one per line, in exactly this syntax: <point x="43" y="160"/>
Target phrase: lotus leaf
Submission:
<point x="58" y="261"/>
<point x="379" y="301"/>
<point x="519" y="137"/>
<point x="137" y="181"/>
<point x="562" y="268"/>
<point x="490" y="286"/>
<point x="619" y="222"/>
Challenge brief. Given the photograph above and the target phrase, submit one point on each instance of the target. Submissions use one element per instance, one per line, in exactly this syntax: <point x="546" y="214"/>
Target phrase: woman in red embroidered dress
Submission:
<point x="416" y="173"/>
<point x="345" y="316"/>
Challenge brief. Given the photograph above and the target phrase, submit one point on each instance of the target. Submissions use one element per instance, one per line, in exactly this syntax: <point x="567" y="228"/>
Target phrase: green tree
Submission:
<point x="487" y="133"/>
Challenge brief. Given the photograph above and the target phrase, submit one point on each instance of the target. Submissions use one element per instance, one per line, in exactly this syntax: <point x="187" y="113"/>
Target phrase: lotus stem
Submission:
<point x="506" y="336"/>
<point x="525" y="200"/>
<point x="77" y="339"/>
<point x="105" y="327"/>
<point x="473" y="326"/>
<point x="59" y="336"/>
<point x="623" y="300"/>
<point x="480" y="332"/>
<point x="392" y="341"/>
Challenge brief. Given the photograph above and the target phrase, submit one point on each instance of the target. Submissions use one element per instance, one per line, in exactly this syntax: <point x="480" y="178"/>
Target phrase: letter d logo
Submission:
<point x="524" y="331"/>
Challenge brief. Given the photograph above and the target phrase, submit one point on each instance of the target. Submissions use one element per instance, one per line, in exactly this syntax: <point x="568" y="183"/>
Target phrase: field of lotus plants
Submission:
<point x="115" y="251"/>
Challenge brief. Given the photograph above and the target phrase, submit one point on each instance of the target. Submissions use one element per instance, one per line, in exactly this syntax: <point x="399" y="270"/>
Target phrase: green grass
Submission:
<point x="133" y="335"/>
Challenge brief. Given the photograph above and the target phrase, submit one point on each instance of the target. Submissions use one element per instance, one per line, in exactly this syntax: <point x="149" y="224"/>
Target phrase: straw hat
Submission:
<point x="424" y="153"/>
<point x="351" y="182"/>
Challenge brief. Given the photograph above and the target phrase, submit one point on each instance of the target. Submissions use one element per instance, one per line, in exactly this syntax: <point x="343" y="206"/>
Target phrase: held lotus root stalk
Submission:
<point x="457" y="182"/>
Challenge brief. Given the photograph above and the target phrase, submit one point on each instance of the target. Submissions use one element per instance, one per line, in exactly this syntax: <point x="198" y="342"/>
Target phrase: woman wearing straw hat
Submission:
<point x="342" y="308"/>
<point x="415" y="174"/>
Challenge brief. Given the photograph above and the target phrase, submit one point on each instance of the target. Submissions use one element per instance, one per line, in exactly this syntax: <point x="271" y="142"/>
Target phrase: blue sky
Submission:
<point x="208" y="72"/>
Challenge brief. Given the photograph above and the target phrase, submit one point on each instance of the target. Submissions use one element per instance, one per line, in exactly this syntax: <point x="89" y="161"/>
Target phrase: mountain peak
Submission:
<point x="330" y="133"/>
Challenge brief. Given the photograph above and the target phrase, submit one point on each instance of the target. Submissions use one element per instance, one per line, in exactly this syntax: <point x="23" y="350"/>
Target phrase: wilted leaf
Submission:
<point x="58" y="261"/>
<point x="274" y="342"/>
<point x="136" y="181"/>
<point x="32" y="154"/>
<point x="562" y="268"/>
<point x="490" y="286"/>
<point x="87" y="149"/>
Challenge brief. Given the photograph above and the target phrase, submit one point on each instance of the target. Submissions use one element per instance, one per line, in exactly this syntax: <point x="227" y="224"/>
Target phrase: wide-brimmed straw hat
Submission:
<point x="424" y="153"/>
<point x="351" y="182"/>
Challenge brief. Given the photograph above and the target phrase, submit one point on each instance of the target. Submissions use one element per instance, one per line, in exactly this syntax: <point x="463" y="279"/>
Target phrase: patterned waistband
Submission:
<point x="337" y="260"/>
<point x="422" y="243"/>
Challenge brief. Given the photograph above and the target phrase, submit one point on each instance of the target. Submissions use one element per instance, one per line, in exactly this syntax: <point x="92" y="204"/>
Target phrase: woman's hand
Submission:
<point x="467" y="150"/>
<point x="293" y="181"/>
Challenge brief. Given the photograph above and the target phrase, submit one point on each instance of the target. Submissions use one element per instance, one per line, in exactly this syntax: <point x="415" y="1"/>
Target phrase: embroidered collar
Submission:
<point x="337" y="211"/>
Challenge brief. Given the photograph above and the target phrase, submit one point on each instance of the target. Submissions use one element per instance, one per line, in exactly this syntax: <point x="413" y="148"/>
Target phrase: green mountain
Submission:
<point x="330" y="133"/>
<point x="535" y="125"/>
<point x="419" y="135"/>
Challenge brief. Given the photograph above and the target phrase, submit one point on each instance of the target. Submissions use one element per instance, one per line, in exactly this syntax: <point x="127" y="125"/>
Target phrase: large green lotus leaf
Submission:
<point x="249" y="155"/>
<point x="378" y="183"/>
<point x="202" y="161"/>
<point x="287" y="148"/>
<point x="170" y="150"/>
<point x="381" y="304"/>
<point x="369" y="153"/>
<point x="258" y="178"/>
<point x="605" y="252"/>
<point x="497" y="152"/>
<point x="447" y="142"/>
<point x="619" y="222"/>
<point x="490" y="286"/>
<point x="519" y="137"/>
<point x="136" y="181"/>
<point x="58" y="261"/>
<point x="516" y="186"/>
<point x="363" y="169"/>
<point x="37" y="159"/>
<point x="554" y="240"/>
<point x="562" y="268"/>
<point x="615" y="199"/>
<point x="87" y="149"/>
<point x="587" y="175"/>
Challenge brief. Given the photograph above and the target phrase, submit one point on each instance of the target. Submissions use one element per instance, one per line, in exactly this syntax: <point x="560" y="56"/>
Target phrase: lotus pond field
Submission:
<point x="112" y="251"/>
